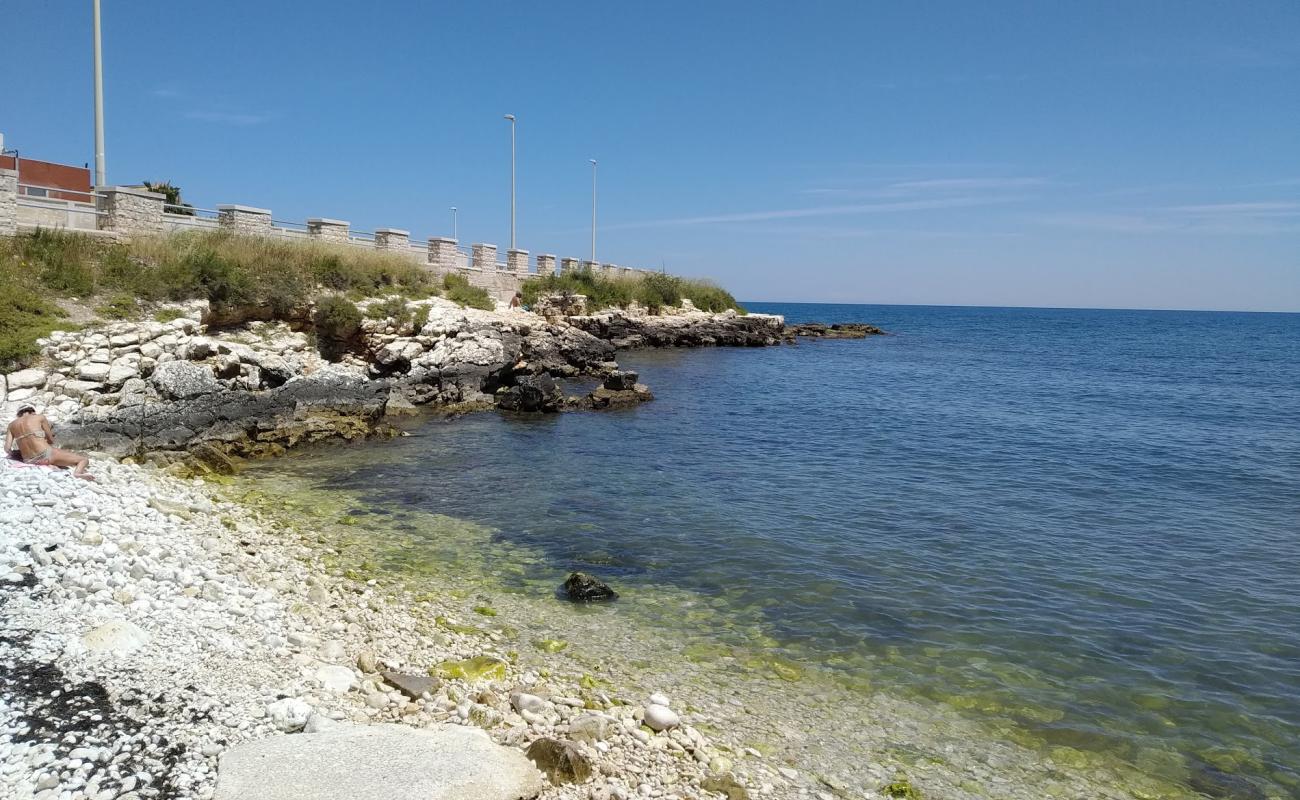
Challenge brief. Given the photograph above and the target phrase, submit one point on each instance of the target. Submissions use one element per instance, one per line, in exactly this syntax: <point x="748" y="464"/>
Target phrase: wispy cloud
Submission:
<point x="967" y="184"/>
<point x="1257" y="209"/>
<point x="1238" y="218"/>
<point x="817" y="211"/>
<point x="227" y="118"/>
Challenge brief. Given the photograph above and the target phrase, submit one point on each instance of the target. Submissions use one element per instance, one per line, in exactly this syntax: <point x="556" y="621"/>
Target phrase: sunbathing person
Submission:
<point x="31" y="439"/>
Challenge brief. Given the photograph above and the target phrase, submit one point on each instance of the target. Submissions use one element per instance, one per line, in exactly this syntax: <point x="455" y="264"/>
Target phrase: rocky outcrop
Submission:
<point x="532" y="393"/>
<point x="839" y="330"/>
<point x="687" y="329"/>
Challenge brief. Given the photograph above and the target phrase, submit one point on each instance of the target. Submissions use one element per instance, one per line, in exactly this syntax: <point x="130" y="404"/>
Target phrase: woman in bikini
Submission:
<point x="31" y="438"/>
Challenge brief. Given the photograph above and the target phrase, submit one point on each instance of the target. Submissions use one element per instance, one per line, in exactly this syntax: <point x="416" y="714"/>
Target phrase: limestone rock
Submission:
<point x="584" y="588"/>
<point x="115" y="636"/>
<point x="289" y="714"/>
<point x="561" y="761"/>
<point x="339" y="680"/>
<point x="389" y="761"/>
<point x="725" y="785"/>
<point x="532" y="393"/>
<point x="178" y="380"/>
<point x="26" y="379"/>
<point x="661" y="718"/>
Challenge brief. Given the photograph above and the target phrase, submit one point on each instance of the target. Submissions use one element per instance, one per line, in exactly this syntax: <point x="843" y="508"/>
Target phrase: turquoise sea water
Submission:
<point x="1084" y="522"/>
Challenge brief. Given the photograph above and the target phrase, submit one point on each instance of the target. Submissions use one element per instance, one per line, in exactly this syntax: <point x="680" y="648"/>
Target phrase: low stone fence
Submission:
<point x="126" y="211"/>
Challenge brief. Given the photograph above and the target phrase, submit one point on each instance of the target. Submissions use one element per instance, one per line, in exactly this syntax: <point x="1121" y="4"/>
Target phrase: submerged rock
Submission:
<point x="840" y="330"/>
<point x="726" y="786"/>
<point x="561" y="761"/>
<point x="394" y="762"/>
<point x="1214" y="782"/>
<point x="472" y="669"/>
<point x="584" y="588"/>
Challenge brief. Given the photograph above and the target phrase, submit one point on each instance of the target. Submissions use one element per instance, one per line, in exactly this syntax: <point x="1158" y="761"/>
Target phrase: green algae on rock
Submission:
<point x="471" y="669"/>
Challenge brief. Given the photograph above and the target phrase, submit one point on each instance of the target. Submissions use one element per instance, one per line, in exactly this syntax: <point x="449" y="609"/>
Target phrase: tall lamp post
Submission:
<point x="593" y="210"/>
<point x="455" y="223"/>
<point x="99" y="104"/>
<point x="511" y="117"/>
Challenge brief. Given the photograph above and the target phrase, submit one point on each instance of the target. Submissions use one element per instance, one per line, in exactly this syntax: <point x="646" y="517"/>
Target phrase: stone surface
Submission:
<point x="115" y="636"/>
<point x="180" y="380"/>
<point x="413" y="686"/>
<point x="584" y="588"/>
<point x="560" y="761"/>
<point x="26" y="379"/>
<point x="392" y="762"/>
<point x="661" y="718"/>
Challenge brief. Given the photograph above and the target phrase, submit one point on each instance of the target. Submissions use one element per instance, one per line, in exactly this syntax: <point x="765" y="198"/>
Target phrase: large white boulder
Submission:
<point x="26" y="379"/>
<point x="115" y="636"/>
<point x="181" y="379"/>
<point x="393" y="762"/>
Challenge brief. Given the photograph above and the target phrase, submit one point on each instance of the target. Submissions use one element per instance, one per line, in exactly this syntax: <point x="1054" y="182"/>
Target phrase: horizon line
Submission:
<point x="1033" y="308"/>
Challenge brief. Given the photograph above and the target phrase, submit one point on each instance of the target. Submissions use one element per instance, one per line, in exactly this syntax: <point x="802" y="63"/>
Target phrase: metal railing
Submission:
<point x="37" y="209"/>
<point x="182" y="218"/>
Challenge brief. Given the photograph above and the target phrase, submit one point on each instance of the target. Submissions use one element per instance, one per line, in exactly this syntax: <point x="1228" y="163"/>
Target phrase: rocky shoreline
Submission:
<point x="158" y="640"/>
<point x="186" y="390"/>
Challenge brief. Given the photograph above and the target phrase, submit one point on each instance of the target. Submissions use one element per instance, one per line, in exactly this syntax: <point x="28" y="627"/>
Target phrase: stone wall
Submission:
<point x="129" y="211"/>
<point x="8" y="202"/>
<point x="244" y="219"/>
<point x="393" y="239"/>
<point x="328" y="230"/>
<point x="517" y="262"/>
<point x="484" y="257"/>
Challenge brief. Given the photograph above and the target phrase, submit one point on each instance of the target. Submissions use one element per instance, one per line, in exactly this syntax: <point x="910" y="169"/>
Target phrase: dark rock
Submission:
<point x="604" y="397"/>
<point x="561" y="761"/>
<point x="531" y="393"/>
<point x="413" y="686"/>
<point x="621" y="380"/>
<point x="725" y="785"/>
<point x="695" y="330"/>
<point x="584" y="588"/>
<point x="840" y="330"/>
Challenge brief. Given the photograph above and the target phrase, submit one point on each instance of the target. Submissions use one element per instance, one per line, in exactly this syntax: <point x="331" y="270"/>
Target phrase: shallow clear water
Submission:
<point x="1086" y="523"/>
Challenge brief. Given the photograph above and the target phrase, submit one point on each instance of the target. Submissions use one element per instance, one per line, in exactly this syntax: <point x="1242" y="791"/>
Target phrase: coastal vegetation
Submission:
<point x="44" y="270"/>
<point x="653" y="290"/>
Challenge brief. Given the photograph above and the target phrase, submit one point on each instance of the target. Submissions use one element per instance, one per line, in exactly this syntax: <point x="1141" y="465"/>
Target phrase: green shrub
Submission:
<point x="168" y="314"/>
<point x="25" y="313"/>
<point x="459" y="291"/>
<point x="119" y="306"/>
<point x="393" y="308"/>
<point x="652" y="289"/>
<point x="338" y="324"/>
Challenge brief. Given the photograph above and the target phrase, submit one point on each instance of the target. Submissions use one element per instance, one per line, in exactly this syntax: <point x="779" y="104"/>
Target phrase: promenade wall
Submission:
<point x="126" y="211"/>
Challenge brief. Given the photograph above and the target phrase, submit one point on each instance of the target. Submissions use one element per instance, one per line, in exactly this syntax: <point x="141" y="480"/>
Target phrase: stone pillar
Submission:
<point x="8" y="202"/>
<point x="545" y="264"/>
<point x="485" y="257"/>
<point x="591" y="266"/>
<point x="393" y="239"/>
<point x="442" y="253"/>
<point x="568" y="265"/>
<point x="129" y="211"/>
<point x="245" y="219"/>
<point x="517" y="262"/>
<point x="328" y="230"/>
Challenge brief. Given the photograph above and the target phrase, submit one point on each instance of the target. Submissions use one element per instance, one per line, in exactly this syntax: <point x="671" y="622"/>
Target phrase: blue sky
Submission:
<point x="1107" y="154"/>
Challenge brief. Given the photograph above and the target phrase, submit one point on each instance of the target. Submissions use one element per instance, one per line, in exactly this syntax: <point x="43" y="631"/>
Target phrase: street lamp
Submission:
<point x="593" y="209"/>
<point x="511" y="117"/>
<point x="455" y="223"/>
<point x="99" y="104"/>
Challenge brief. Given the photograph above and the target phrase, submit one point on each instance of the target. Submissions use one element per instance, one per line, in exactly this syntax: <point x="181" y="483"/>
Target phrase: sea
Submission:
<point x="1079" y="526"/>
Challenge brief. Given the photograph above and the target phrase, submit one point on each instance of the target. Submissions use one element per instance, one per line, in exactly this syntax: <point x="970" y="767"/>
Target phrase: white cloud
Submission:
<point x="816" y="211"/>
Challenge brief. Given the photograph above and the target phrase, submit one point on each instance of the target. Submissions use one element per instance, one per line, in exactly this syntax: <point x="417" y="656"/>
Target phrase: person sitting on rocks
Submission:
<point x="517" y="301"/>
<point x="31" y="439"/>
